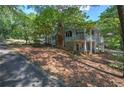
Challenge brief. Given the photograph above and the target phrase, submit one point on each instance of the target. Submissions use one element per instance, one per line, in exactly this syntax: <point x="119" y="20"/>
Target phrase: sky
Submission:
<point x="92" y="11"/>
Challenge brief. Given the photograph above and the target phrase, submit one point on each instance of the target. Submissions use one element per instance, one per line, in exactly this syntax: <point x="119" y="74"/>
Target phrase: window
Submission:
<point x="76" y="33"/>
<point x="53" y="37"/>
<point x="66" y="34"/>
<point x="69" y="34"/>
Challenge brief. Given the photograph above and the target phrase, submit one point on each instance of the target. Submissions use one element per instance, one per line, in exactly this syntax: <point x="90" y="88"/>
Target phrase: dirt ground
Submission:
<point x="75" y="70"/>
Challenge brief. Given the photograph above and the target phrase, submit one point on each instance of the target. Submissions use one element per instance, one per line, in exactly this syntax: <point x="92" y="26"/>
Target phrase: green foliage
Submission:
<point x="73" y="16"/>
<point x="48" y="19"/>
<point x="5" y="21"/>
<point x="89" y="25"/>
<point x="15" y="23"/>
<point x="109" y="23"/>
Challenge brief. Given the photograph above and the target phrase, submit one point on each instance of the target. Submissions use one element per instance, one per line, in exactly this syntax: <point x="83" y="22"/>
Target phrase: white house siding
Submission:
<point x="70" y="41"/>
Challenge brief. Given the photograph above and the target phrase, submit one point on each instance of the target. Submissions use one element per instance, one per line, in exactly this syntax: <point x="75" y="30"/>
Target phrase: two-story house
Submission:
<point x="80" y="40"/>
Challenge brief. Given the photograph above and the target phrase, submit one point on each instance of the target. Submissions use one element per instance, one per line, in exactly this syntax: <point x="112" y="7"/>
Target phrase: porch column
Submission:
<point x="95" y="47"/>
<point x="103" y="47"/>
<point x="91" y="42"/>
<point x="85" y="46"/>
<point x="85" y="42"/>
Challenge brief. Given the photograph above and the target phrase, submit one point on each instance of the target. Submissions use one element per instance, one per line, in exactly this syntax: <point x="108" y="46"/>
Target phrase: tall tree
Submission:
<point x="56" y="17"/>
<point x="15" y="23"/>
<point x="45" y="22"/>
<point x="71" y="15"/>
<point x="121" y="17"/>
<point x="120" y="9"/>
<point x="109" y="25"/>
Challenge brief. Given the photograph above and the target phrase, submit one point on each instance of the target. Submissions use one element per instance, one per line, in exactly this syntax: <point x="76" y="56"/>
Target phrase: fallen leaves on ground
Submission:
<point x="75" y="70"/>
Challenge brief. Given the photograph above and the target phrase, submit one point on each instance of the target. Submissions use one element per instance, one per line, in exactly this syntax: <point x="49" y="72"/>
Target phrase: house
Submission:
<point x="79" y="40"/>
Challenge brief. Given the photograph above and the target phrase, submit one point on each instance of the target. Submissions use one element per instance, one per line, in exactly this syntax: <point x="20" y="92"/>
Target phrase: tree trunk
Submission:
<point x="123" y="69"/>
<point x="95" y="47"/>
<point x="60" y="35"/>
<point x="120" y="9"/>
<point x="85" y="46"/>
<point x="26" y="38"/>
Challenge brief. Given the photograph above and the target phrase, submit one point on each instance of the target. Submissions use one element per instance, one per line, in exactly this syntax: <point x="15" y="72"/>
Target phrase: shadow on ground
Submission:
<point x="74" y="71"/>
<point x="16" y="71"/>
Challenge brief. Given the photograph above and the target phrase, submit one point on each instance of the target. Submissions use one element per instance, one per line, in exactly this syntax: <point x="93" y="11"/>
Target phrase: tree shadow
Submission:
<point x="104" y="60"/>
<point x="102" y="70"/>
<point x="16" y="71"/>
<point x="3" y="46"/>
<point x="75" y="72"/>
<point x="77" y="77"/>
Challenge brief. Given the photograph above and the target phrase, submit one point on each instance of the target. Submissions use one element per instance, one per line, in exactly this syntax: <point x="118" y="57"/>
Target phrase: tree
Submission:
<point x="109" y="24"/>
<point x="15" y="23"/>
<point x="71" y="15"/>
<point x="45" y="22"/>
<point x="6" y="16"/>
<point x="56" y="17"/>
<point x="120" y="9"/>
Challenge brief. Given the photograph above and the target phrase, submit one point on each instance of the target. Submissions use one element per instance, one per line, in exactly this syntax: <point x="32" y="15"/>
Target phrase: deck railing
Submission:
<point x="79" y="37"/>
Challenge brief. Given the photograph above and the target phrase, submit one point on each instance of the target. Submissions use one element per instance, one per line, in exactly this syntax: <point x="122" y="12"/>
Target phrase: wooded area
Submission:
<point x="34" y="28"/>
<point x="17" y="24"/>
